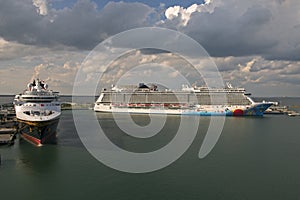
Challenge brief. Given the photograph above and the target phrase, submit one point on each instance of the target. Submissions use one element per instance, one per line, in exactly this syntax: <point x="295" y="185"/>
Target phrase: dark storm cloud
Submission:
<point x="19" y="21"/>
<point x="244" y="28"/>
<point x="270" y="29"/>
<point x="82" y="26"/>
<point x="291" y="53"/>
<point x="224" y="34"/>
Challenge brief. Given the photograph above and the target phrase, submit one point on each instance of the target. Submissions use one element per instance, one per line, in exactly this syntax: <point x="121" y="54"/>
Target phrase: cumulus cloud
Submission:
<point x="13" y="53"/>
<point x="135" y="66"/>
<point x="41" y="6"/>
<point x="256" y="72"/>
<point x="235" y="28"/>
<point x="11" y="83"/>
<point x="58" y="77"/>
<point x="242" y="28"/>
<point x="20" y="63"/>
<point x="82" y="26"/>
<point x="249" y="72"/>
<point x="183" y="15"/>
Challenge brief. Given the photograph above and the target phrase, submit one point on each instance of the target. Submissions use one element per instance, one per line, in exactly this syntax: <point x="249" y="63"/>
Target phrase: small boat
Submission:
<point x="293" y="114"/>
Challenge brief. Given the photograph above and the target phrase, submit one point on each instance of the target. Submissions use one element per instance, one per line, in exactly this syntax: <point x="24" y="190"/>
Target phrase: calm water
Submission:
<point x="255" y="158"/>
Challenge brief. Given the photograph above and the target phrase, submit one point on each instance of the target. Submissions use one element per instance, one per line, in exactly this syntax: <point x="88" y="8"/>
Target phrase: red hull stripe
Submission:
<point x="32" y="139"/>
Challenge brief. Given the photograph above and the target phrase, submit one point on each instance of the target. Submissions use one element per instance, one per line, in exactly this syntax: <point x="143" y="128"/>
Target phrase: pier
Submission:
<point x="76" y="106"/>
<point x="8" y="124"/>
<point x="7" y="135"/>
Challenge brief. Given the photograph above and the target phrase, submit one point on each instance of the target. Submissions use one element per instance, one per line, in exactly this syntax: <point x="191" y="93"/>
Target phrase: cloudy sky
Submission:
<point x="255" y="44"/>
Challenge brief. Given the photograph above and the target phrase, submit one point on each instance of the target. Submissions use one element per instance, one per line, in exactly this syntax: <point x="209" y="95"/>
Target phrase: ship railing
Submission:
<point x="41" y="93"/>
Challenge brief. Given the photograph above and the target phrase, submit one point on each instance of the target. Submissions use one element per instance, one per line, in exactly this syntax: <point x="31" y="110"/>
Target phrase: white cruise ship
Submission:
<point x="201" y="101"/>
<point x="38" y="111"/>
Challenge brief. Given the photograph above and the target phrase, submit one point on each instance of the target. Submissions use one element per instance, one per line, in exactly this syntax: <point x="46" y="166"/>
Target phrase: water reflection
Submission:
<point x="37" y="159"/>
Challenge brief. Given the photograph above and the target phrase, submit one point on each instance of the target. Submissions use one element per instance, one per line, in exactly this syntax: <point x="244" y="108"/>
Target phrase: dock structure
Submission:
<point x="7" y="113"/>
<point x="8" y="125"/>
<point x="75" y="106"/>
<point x="7" y="135"/>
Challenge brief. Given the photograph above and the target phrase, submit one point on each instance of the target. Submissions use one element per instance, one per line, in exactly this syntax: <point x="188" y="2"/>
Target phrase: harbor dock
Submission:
<point x="76" y="106"/>
<point x="8" y="125"/>
<point x="7" y="135"/>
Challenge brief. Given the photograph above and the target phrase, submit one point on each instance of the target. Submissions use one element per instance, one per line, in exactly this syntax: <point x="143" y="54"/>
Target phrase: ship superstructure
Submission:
<point x="227" y="101"/>
<point x="38" y="111"/>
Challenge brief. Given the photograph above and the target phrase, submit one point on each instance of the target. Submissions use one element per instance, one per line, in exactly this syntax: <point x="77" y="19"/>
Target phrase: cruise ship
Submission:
<point x="203" y="101"/>
<point x="38" y="111"/>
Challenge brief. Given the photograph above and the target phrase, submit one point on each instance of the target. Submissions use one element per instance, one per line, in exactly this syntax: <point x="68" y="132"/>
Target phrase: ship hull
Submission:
<point x="39" y="133"/>
<point x="252" y="110"/>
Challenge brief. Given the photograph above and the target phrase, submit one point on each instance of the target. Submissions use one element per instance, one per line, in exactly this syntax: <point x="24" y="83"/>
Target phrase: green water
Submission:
<point x="255" y="158"/>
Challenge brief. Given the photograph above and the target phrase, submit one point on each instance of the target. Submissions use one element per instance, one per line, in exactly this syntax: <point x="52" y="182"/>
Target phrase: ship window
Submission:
<point x="36" y="113"/>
